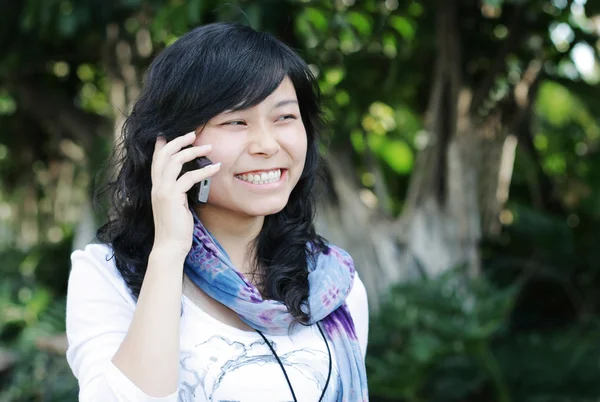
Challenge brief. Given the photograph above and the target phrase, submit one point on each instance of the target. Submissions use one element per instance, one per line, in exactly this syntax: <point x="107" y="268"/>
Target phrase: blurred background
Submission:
<point x="462" y="173"/>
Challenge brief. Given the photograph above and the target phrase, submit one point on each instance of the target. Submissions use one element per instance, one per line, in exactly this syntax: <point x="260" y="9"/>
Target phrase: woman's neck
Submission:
<point x="234" y="232"/>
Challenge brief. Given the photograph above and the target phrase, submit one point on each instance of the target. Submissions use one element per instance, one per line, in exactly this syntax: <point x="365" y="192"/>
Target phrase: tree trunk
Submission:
<point x="458" y="186"/>
<point x="349" y="221"/>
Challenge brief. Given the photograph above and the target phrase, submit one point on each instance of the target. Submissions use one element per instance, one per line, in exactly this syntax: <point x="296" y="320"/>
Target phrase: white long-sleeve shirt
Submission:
<point x="218" y="362"/>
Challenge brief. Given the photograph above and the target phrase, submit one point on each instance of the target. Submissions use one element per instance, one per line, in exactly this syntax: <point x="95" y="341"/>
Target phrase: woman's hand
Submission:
<point x="173" y="221"/>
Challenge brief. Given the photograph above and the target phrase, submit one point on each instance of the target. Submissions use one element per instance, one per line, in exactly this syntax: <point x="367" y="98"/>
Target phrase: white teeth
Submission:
<point x="261" y="178"/>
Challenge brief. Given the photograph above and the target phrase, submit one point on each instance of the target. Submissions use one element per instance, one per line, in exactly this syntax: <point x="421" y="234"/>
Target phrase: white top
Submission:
<point x="217" y="362"/>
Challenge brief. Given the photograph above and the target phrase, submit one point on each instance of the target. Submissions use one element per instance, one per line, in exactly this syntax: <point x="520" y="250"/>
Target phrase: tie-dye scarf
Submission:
<point x="330" y="280"/>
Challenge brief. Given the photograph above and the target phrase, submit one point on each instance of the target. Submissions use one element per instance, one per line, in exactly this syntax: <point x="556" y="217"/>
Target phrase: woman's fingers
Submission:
<point x="172" y="170"/>
<point x="188" y="179"/>
<point x="158" y="146"/>
<point x="163" y="150"/>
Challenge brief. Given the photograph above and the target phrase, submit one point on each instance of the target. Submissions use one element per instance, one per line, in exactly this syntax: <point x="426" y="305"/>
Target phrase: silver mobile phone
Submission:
<point x="204" y="187"/>
<point x="199" y="191"/>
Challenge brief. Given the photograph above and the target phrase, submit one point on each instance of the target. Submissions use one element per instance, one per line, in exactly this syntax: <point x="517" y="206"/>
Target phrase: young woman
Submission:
<point x="232" y="299"/>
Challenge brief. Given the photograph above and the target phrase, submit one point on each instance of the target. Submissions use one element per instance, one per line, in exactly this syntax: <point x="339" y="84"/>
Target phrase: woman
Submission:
<point x="235" y="299"/>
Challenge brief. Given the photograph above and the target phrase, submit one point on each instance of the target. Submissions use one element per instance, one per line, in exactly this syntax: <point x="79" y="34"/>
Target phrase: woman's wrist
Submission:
<point x="164" y="253"/>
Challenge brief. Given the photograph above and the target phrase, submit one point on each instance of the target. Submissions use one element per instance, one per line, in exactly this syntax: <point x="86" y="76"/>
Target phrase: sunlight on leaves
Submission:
<point x="357" y="140"/>
<point x="398" y="155"/>
<point x="348" y="42"/>
<point x="375" y="142"/>
<point x="389" y="45"/>
<point x="7" y="104"/>
<point x="382" y="118"/>
<point x="360" y="22"/>
<point x="85" y="72"/>
<point x="403" y="26"/>
<point x="342" y="98"/>
<point x="555" y="164"/>
<point x="555" y="103"/>
<point x="334" y="75"/>
<point x="316" y="18"/>
<point x="540" y="141"/>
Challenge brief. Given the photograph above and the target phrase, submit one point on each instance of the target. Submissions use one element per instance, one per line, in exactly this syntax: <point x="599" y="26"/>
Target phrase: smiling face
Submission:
<point x="262" y="151"/>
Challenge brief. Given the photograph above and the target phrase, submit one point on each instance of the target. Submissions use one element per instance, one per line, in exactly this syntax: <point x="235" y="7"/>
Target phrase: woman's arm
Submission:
<point x="126" y="351"/>
<point x="149" y="354"/>
<point x="101" y="313"/>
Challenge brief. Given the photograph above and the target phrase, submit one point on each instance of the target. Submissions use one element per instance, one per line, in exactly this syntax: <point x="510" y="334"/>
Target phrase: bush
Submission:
<point x="450" y="339"/>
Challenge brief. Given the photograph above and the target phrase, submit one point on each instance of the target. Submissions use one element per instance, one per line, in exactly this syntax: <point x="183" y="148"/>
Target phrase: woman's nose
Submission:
<point x="264" y="142"/>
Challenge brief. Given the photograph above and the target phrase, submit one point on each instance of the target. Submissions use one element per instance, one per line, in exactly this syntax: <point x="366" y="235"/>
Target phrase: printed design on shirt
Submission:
<point x="216" y="366"/>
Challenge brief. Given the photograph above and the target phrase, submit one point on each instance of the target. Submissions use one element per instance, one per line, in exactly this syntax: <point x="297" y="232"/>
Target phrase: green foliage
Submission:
<point x="429" y="324"/>
<point x="552" y="366"/>
<point x="33" y="283"/>
<point x="32" y="306"/>
<point x="450" y="339"/>
<point x="38" y="377"/>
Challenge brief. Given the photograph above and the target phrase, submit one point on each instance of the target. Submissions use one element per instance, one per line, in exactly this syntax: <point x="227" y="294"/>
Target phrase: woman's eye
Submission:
<point x="234" y="123"/>
<point x="287" y="117"/>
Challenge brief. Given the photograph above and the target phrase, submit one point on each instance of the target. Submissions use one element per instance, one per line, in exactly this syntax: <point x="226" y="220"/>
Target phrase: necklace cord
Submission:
<point x="330" y="363"/>
<point x="285" y="373"/>
<point x="280" y="364"/>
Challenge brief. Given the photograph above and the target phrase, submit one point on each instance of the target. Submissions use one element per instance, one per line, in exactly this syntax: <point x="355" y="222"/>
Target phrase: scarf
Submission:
<point x="330" y="280"/>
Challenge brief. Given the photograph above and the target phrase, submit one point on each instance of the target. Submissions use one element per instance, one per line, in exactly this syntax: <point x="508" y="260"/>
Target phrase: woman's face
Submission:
<point x="262" y="151"/>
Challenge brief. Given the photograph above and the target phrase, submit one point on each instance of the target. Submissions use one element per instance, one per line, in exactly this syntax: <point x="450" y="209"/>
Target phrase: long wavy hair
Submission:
<point x="211" y="69"/>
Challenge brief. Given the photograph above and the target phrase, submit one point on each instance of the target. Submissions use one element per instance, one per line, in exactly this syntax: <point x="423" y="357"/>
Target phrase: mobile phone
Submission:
<point x="199" y="191"/>
<point x="204" y="187"/>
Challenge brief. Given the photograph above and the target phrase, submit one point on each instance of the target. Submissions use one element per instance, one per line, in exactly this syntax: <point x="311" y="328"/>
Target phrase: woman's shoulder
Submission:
<point x="93" y="269"/>
<point x="98" y="257"/>
<point x="94" y="251"/>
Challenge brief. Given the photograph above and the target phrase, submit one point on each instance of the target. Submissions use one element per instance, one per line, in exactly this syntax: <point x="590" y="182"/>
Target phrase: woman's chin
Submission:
<point x="264" y="207"/>
<point x="247" y="205"/>
<point x="263" y="211"/>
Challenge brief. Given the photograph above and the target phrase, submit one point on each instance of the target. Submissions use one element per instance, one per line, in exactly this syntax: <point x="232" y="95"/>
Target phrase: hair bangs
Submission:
<point x="263" y="63"/>
<point x="255" y="82"/>
<point x="219" y="68"/>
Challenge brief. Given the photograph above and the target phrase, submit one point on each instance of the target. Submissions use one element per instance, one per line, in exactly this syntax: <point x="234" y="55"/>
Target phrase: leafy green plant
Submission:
<point x="38" y="376"/>
<point x="431" y="324"/>
<point x="32" y="307"/>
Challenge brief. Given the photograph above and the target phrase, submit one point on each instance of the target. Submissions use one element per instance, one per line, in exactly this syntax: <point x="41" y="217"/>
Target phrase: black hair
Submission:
<point x="211" y="69"/>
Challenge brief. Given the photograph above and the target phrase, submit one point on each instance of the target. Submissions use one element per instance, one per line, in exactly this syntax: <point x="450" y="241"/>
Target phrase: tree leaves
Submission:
<point x="493" y="3"/>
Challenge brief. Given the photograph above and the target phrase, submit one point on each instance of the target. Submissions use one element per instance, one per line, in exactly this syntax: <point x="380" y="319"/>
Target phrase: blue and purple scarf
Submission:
<point x="330" y="280"/>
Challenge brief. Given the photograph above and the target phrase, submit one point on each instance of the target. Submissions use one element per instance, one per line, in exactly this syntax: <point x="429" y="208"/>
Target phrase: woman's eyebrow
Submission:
<point x="277" y="105"/>
<point x="285" y="102"/>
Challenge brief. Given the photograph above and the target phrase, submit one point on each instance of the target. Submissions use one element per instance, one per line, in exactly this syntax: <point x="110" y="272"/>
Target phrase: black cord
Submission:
<point x="328" y="353"/>
<point x="285" y="373"/>
<point x="280" y="364"/>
